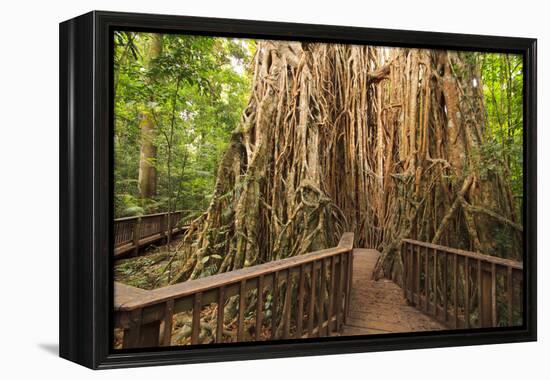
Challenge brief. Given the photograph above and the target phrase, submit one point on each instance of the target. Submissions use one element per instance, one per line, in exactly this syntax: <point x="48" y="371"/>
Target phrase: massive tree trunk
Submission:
<point x="382" y="142"/>
<point x="443" y="187"/>
<point x="147" y="177"/>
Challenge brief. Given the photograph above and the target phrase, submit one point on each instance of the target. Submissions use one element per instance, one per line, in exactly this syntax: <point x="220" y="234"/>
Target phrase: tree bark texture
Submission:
<point x="147" y="176"/>
<point x="382" y="142"/>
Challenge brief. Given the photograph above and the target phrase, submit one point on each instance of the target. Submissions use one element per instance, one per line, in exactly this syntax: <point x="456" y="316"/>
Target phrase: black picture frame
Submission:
<point x="86" y="159"/>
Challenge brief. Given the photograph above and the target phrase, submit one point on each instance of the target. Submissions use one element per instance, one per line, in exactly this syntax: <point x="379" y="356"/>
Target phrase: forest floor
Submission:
<point x="152" y="269"/>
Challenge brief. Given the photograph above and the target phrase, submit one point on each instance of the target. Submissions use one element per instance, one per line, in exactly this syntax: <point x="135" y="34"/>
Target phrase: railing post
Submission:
<point x="510" y="294"/>
<point x="331" y="295"/>
<point x="426" y="280"/>
<point x="404" y="260"/>
<point x="163" y="226"/>
<point x="259" y="307"/>
<point x="339" y="293"/>
<point x="287" y="305"/>
<point x="141" y="335"/>
<point x="455" y="289"/>
<point x="486" y="299"/>
<point x="321" y="299"/>
<point x="311" y="311"/>
<point x="274" y="304"/>
<point x="168" y="314"/>
<point x="301" y="295"/>
<point x="410" y="272"/>
<point x="242" y="307"/>
<point x="445" y="287"/>
<point x="196" y="322"/>
<point x="219" y="321"/>
<point x="349" y="284"/>
<point x="345" y="287"/>
<point x="150" y="334"/>
<point x="466" y="293"/>
<point x="169" y="227"/>
<point x="136" y="235"/>
<point x="435" y="252"/>
<point x="418" y="301"/>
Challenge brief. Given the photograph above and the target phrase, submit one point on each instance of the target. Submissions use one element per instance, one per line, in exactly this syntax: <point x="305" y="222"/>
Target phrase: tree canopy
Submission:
<point x="194" y="90"/>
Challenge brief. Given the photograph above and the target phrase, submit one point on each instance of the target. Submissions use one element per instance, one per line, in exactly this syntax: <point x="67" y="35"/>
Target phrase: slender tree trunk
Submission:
<point x="147" y="177"/>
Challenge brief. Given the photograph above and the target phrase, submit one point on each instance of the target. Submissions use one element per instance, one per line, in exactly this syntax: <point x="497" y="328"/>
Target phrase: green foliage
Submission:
<point x="195" y="90"/>
<point x="502" y="80"/>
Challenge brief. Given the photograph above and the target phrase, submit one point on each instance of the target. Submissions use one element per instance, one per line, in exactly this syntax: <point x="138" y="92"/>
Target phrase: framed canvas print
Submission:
<point x="238" y="189"/>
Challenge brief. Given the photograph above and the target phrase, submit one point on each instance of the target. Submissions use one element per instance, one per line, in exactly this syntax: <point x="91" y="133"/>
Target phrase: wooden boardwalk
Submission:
<point x="367" y="306"/>
<point x="379" y="307"/>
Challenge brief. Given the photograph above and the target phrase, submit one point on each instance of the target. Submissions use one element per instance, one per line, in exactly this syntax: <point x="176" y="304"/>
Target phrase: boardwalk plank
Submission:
<point x="379" y="307"/>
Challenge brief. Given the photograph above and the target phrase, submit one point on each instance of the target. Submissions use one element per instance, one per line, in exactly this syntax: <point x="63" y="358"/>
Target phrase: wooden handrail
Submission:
<point x="131" y="233"/>
<point x="126" y="218"/>
<point x="474" y="255"/>
<point x="461" y="288"/>
<point x="321" y="279"/>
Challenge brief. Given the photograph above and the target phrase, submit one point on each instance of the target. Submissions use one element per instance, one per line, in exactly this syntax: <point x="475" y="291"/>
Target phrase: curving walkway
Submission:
<point x="379" y="307"/>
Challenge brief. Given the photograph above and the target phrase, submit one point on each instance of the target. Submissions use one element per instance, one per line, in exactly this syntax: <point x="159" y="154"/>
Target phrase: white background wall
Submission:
<point x="29" y="187"/>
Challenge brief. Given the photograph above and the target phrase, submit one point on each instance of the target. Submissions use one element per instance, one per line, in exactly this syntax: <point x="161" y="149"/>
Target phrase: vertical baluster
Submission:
<point x="510" y="295"/>
<point x="242" y="307"/>
<point x="414" y="251"/>
<point x="116" y="227"/>
<point x="136" y="235"/>
<point x="259" y="307"/>
<point x="170" y="226"/>
<point x="274" y="304"/>
<point x="342" y="287"/>
<point x="466" y="292"/>
<point x="481" y="310"/>
<point x="301" y="295"/>
<point x="150" y="334"/>
<point x="410" y="275"/>
<point x="350" y="280"/>
<point x="288" y="305"/>
<point x="121" y="233"/>
<point x="411" y="248"/>
<point x="331" y="294"/>
<point x="129" y="228"/>
<point x="435" y="252"/>
<point x="221" y="305"/>
<point x="168" y="313"/>
<point x="158" y="226"/>
<point x="405" y="269"/>
<point x="339" y="292"/>
<point x="494" y="295"/>
<point x="163" y="225"/>
<point x="455" y="289"/>
<point x="426" y="279"/>
<point x="311" y="300"/>
<point x="196" y="327"/>
<point x="132" y="334"/>
<point x="345" y="264"/>
<point x="321" y="300"/>
<point x="445" y="286"/>
<point x="417" y="278"/>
